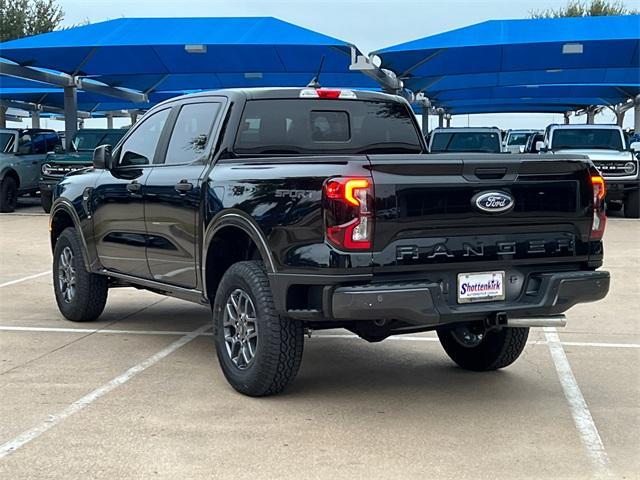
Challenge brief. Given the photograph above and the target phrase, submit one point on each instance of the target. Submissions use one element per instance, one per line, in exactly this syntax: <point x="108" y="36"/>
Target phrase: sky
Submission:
<point x="369" y="24"/>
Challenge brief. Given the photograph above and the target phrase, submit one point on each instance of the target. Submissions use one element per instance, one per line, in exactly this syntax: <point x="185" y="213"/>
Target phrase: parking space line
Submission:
<point x="578" y="406"/>
<point x="24" y="279"/>
<point x="408" y="338"/>
<point x="53" y="420"/>
<point x="94" y="330"/>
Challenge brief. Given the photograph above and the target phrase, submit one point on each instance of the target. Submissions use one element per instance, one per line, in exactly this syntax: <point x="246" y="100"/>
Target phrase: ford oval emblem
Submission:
<point x="493" y="202"/>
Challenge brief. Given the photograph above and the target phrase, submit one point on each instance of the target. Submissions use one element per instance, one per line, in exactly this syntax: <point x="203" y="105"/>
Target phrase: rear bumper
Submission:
<point x="425" y="304"/>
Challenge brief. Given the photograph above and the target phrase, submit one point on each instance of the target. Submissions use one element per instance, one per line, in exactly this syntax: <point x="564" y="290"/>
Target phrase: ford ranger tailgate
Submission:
<point x="432" y="210"/>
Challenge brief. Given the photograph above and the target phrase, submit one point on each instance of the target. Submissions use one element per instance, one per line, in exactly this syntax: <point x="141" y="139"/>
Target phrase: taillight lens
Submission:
<point x="599" y="217"/>
<point x="348" y="213"/>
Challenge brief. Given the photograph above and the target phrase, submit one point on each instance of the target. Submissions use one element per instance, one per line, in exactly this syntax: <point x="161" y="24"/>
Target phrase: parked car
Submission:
<point x="606" y="146"/>
<point x="288" y="210"/>
<point x="516" y="140"/>
<point x="532" y="142"/>
<point x="469" y="139"/>
<point x="59" y="163"/>
<point x="22" y="152"/>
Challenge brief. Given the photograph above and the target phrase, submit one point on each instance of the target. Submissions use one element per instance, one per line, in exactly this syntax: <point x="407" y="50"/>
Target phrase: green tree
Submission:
<point x="579" y="8"/>
<point x="21" y="18"/>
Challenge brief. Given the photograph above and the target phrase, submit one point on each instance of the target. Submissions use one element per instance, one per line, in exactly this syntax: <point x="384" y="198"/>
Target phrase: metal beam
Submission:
<point x="3" y="116"/>
<point x="70" y="115"/>
<point x="35" y="118"/>
<point x="106" y="90"/>
<point x="386" y="79"/>
<point x="64" y="80"/>
<point x="109" y="117"/>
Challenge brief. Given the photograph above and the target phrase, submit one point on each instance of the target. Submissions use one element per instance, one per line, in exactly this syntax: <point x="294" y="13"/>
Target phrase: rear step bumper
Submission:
<point x="546" y="294"/>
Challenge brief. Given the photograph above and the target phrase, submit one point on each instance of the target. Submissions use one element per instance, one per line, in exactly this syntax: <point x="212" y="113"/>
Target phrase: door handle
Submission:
<point x="183" y="186"/>
<point x="134" y="187"/>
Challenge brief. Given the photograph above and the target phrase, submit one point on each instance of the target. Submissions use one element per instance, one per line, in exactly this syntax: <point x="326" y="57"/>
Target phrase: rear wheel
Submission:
<point x="474" y="348"/>
<point x="632" y="205"/>
<point x="46" y="201"/>
<point x="259" y="352"/>
<point x="8" y="194"/>
<point x="80" y="295"/>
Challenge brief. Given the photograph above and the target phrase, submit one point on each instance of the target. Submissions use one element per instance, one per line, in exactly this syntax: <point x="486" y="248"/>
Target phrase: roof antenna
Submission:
<point x="314" y="81"/>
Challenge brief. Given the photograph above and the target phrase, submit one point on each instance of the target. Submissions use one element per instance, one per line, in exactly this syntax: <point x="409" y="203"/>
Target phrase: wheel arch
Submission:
<point x="10" y="172"/>
<point x="64" y="216"/>
<point x="230" y="238"/>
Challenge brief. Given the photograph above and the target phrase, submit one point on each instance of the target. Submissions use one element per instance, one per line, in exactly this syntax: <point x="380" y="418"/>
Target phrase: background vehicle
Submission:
<point x="606" y="146"/>
<point x="532" y="142"/>
<point x="469" y="140"/>
<point x="294" y="209"/>
<point x="58" y="164"/>
<point x="516" y="140"/>
<point x="22" y="152"/>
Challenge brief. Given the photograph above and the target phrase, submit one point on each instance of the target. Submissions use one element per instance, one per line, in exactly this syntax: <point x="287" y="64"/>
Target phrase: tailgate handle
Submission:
<point x="490" y="173"/>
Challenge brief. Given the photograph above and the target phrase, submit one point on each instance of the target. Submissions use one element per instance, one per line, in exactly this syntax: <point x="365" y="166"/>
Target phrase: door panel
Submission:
<point x="171" y="220"/>
<point x="173" y="196"/>
<point x="118" y="222"/>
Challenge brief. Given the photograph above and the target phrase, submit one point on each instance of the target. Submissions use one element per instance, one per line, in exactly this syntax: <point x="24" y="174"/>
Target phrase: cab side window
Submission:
<point x="140" y="147"/>
<point x="25" y="144"/>
<point x="191" y="132"/>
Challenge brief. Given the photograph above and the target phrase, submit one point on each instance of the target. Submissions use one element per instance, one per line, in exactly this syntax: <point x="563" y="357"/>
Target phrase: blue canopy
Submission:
<point x="149" y="54"/>
<point x="498" y="53"/>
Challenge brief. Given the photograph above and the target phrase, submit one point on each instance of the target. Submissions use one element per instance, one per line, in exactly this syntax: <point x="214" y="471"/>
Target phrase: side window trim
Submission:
<point x="161" y="153"/>
<point x="131" y="131"/>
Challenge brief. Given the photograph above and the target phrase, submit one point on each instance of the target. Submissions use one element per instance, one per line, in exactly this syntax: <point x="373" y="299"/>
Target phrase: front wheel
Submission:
<point x="8" y="194"/>
<point x="259" y="352"/>
<point x="80" y="295"/>
<point x="474" y="348"/>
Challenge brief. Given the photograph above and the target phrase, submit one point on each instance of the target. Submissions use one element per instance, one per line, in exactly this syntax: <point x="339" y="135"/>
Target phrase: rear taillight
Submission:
<point x="349" y="213"/>
<point x="599" y="217"/>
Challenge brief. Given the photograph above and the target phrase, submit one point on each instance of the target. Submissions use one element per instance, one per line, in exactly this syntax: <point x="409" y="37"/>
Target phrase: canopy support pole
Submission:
<point x="567" y="120"/>
<point x="35" y="118"/>
<point x="134" y="117"/>
<point x="591" y="116"/>
<point x="440" y="118"/>
<point x="109" y="120"/>
<point x="636" y="114"/>
<point x="448" y="118"/>
<point x="70" y="114"/>
<point x="3" y="116"/>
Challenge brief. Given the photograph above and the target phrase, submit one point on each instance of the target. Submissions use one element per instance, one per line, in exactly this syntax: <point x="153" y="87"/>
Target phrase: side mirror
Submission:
<point x="540" y="146"/>
<point x="635" y="147"/>
<point x="102" y="157"/>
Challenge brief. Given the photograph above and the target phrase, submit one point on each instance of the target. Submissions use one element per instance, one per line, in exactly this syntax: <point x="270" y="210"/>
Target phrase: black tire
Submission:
<point x="46" y="200"/>
<point x="497" y="349"/>
<point x="280" y="341"/>
<point x="632" y="205"/>
<point x="87" y="300"/>
<point x="8" y="195"/>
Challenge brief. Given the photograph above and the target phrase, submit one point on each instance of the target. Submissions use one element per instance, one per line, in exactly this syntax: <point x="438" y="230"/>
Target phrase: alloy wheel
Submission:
<point x="240" y="328"/>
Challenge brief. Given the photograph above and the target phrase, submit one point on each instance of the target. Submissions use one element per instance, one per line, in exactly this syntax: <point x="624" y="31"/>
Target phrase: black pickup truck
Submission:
<point x="301" y="209"/>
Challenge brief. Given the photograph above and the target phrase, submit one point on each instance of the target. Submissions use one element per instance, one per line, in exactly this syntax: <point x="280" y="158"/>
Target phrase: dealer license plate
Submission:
<point x="480" y="287"/>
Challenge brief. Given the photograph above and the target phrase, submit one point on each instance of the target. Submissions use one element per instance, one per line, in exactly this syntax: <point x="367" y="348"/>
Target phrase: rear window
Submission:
<point x="308" y="127"/>
<point x="518" y="138"/>
<point x="483" y="142"/>
<point x="587" y="138"/>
